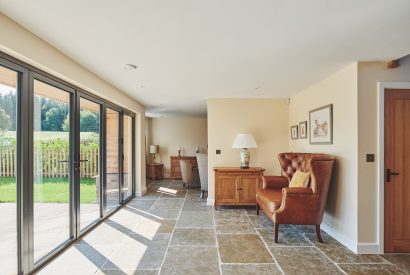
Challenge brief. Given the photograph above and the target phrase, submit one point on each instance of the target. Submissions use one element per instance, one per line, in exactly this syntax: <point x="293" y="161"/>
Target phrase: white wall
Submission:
<point x="340" y="89"/>
<point x="370" y="73"/>
<point x="171" y="132"/>
<point x="265" y="119"/>
<point x="24" y="45"/>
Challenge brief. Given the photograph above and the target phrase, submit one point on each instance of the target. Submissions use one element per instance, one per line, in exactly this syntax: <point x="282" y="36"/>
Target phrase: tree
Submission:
<point x="4" y="120"/>
<point x="8" y="102"/>
<point x="66" y="124"/>
<point x="54" y="119"/>
<point x="89" y="121"/>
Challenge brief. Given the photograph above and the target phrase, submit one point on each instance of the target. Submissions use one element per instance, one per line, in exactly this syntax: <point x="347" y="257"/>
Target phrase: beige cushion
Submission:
<point x="300" y="179"/>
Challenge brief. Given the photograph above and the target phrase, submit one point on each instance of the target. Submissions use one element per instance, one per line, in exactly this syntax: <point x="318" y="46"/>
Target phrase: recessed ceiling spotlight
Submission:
<point x="130" y="67"/>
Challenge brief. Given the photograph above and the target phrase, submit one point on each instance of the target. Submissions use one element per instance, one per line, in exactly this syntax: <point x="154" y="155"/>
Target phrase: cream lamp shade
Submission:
<point x="244" y="141"/>
<point x="153" y="149"/>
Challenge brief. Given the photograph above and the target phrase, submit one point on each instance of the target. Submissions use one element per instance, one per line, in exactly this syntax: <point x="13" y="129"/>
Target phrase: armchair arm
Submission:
<point x="291" y="191"/>
<point x="277" y="182"/>
<point x="299" y="206"/>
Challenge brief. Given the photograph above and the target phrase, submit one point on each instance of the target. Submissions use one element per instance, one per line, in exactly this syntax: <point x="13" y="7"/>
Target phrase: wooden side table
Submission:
<point x="236" y="186"/>
<point x="176" y="168"/>
<point x="155" y="171"/>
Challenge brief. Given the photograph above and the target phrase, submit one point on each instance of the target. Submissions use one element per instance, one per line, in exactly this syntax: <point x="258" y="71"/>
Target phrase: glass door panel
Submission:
<point x="89" y="162"/>
<point x="128" y="156"/>
<point x="112" y="153"/>
<point x="8" y="170"/>
<point x="51" y="168"/>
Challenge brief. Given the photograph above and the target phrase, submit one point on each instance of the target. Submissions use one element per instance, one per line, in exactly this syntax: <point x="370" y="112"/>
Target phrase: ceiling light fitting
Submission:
<point x="130" y="67"/>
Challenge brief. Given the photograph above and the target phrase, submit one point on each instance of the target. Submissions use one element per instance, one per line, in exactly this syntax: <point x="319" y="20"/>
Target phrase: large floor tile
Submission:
<point x="261" y="221"/>
<point x="180" y="194"/>
<point x="168" y="203"/>
<point x="151" y="195"/>
<point x="166" y="214"/>
<point x="176" y="185"/>
<point x="72" y="261"/>
<point x="149" y="227"/>
<point x="373" y="269"/>
<point x="137" y="252"/>
<point x="340" y="254"/>
<point x="288" y="236"/>
<point x="234" y="226"/>
<point x="242" y="248"/>
<point x="234" y="214"/>
<point x="196" y="206"/>
<point x="191" y="260"/>
<point x="400" y="260"/>
<point x="250" y="269"/>
<point x="143" y="205"/>
<point x="194" y="236"/>
<point x="127" y="272"/>
<point x="303" y="260"/>
<point x="199" y="219"/>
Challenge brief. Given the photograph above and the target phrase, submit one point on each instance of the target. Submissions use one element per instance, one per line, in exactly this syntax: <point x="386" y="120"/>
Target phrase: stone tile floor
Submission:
<point x="181" y="234"/>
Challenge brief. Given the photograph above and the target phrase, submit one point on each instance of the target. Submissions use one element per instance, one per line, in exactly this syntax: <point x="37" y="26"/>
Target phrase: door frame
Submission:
<point x="381" y="87"/>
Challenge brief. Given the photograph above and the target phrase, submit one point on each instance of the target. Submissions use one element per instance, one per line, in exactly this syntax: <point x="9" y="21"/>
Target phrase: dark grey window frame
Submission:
<point x="24" y="176"/>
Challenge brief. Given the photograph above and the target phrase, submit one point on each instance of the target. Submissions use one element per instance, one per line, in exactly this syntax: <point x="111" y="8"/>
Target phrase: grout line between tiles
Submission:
<point x="173" y="231"/>
<point x="264" y="243"/>
<point x="216" y="241"/>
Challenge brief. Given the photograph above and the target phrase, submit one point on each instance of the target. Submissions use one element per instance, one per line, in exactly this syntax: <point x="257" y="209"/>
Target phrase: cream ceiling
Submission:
<point x="190" y="50"/>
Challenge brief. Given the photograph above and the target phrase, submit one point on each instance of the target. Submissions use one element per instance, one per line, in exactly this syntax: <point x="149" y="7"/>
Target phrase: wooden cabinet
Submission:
<point x="176" y="168"/>
<point x="236" y="186"/>
<point x="155" y="171"/>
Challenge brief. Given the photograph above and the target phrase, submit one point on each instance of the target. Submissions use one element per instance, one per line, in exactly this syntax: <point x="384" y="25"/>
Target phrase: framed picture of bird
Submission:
<point x="321" y="125"/>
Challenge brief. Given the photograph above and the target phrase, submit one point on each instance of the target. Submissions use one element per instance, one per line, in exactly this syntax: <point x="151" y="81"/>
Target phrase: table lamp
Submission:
<point x="153" y="150"/>
<point x="243" y="142"/>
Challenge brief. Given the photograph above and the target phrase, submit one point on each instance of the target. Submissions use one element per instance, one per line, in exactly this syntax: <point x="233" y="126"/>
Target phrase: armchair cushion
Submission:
<point x="300" y="179"/>
<point x="270" y="198"/>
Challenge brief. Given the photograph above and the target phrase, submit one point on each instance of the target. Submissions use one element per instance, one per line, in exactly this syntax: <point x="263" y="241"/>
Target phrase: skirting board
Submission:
<point x="368" y="248"/>
<point x="339" y="237"/>
<point x="210" y="201"/>
<point x="142" y="193"/>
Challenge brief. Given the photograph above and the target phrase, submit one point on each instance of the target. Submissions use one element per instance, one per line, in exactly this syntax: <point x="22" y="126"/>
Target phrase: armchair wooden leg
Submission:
<point x="319" y="236"/>
<point x="257" y="209"/>
<point x="276" y="232"/>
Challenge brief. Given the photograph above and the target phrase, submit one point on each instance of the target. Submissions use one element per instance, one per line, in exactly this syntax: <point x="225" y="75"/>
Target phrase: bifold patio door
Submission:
<point x="66" y="163"/>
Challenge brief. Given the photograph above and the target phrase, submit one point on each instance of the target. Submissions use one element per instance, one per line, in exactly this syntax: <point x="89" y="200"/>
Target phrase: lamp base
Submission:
<point x="245" y="158"/>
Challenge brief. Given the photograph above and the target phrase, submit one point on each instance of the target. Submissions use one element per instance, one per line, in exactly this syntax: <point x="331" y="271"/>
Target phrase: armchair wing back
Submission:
<point x="186" y="172"/>
<point x="202" y="160"/>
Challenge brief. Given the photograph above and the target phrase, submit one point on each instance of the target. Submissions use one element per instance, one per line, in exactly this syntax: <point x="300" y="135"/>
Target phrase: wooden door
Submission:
<point x="247" y="188"/>
<point x="397" y="171"/>
<point x="227" y="189"/>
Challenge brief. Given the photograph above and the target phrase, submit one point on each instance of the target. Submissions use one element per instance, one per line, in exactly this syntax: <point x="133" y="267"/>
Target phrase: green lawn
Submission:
<point x="51" y="190"/>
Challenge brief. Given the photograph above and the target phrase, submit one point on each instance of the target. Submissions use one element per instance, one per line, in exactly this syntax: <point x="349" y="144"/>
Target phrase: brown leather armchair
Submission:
<point x="287" y="205"/>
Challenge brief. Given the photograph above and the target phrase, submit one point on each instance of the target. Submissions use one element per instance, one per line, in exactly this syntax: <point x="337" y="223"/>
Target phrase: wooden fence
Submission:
<point x="50" y="163"/>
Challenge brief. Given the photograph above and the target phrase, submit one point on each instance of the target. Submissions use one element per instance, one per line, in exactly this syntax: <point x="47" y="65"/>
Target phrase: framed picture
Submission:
<point x="303" y="130"/>
<point x="321" y="125"/>
<point x="294" y="132"/>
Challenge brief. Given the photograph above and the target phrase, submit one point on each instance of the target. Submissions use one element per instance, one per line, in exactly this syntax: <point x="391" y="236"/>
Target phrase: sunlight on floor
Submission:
<point x="168" y="191"/>
<point x="119" y="243"/>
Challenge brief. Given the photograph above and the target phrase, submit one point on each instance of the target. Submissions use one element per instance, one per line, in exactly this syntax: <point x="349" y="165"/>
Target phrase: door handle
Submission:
<point x="77" y="163"/>
<point x="389" y="173"/>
